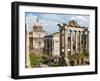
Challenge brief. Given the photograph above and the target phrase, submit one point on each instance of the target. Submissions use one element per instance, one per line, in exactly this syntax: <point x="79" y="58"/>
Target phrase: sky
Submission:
<point x="49" y="21"/>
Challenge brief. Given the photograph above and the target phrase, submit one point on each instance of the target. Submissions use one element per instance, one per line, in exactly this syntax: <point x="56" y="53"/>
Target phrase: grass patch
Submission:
<point x="34" y="60"/>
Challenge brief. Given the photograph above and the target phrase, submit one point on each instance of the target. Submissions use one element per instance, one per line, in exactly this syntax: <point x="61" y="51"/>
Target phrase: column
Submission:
<point x="83" y="42"/>
<point x="75" y="41"/>
<point x="66" y="46"/>
<point x="88" y="42"/>
<point x="27" y="51"/>
<point x="87" y="39"/>
<point x="63" y="43"/>
<point x="63" y="37"/>
<point x="66" y="42"/>
<point x="60" y="43"/>
<point x="71" y="42"/>
<point x="80" y="46"/>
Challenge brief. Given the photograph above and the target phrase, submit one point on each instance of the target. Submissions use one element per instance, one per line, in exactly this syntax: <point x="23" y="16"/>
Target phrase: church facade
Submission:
<point x="36" y="38"/>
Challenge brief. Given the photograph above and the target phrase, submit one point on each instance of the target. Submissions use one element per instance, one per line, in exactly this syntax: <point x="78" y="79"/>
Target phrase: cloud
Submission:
<point x="49" y="25"/>
<point x="30" y="18"/>
<point x="49" y="21"/>
<point x="82" y="20"/>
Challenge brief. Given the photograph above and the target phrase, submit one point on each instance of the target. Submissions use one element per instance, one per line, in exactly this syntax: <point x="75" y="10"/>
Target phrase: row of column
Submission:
<point x="81" y="38"/>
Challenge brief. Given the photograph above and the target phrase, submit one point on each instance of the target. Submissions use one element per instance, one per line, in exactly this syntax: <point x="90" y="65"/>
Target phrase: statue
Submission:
<point x="73" y="23"/>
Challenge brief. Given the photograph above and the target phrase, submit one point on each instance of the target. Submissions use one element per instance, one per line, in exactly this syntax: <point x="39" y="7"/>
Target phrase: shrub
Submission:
<point x="78" y="56"/>
<point x="34" y="60"/>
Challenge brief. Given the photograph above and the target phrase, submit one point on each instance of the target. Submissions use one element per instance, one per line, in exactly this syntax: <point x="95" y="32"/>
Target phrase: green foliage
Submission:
<point x="46" y="58"/>
<point x="77" y="56"/>
<point x="86" y="54"/>
<point x="34" y="60"/>
<point x="73" y="57"/>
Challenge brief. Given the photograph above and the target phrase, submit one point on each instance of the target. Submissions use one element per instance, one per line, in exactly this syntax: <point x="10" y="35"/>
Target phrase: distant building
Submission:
<point x="52" y="44"/>
<point x="36" y="38"/>
<point x="48" y="45"/>
<point x="56" y="44"/>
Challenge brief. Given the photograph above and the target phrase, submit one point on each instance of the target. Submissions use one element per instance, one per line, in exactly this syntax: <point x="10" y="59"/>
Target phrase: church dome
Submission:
<point x="37" y="27"/>
<point x="37" y="23"/>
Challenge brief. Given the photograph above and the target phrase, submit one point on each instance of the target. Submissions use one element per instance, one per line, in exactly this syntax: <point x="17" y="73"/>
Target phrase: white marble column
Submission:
<point x="66" y="42"/>
<point x="27" y="51"/>
<point x="66" y="47"/>
<point x="80" y="46"/>
<point x="60" y="38"/>
<point x="71" y="42"/>
<point x="87" y="43"/>
<point x="76" y="42"/>
<point x="63" y="37"/>
<point x="83" y="43"/>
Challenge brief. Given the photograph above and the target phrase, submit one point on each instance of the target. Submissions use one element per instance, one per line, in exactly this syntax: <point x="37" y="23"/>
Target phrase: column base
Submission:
<point x="67" y="61"/>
